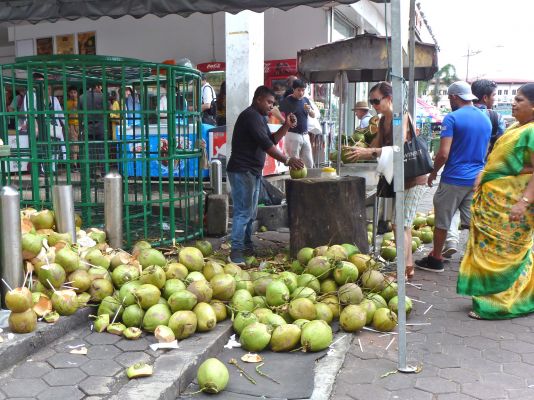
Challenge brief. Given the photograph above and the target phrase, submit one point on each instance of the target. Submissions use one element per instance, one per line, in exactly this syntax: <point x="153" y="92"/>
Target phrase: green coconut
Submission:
<point x="23" y="322"/>
<point x="384" y="320"/>
<point x="32" y="245"/>
<point x="112" y="306"/>
<point x="164" y="334"/>
<point x="223" y="286"/>
<point x="147" y="295"/>
<point x="255" y="337"/>
<point x="182" y="300"/>
<point x="56" y="237"/>
<point x="290" y="280"/>
<point x="101" y="323"/>
<point x="350" y="249"/>
<point x="345" y="272"/>
<point x="80" y="280"/>
<point x="133" y="316"/>
<point x="369" y="307"/>
<point x="259" y="302"/>
<point x="172" y="286"/>
<point x="285" y="338"/>
<point x="242" y="301"/>
<point x="212" y="268"/>
<point x="328" y="286"/>
<point x="126" y="293"/>
<point x="393" y="305"/>
<point x="277" y="293"/>
<point x="99" y="289"/>
<point x="158" y="314"/>
<point x="332" y="301"/>
<point x="95" y="258"/>
<point x="206" y="318"/>
<point x="232" y="269"/>
<point x="149" y="256"/>
<point x="373" y="280"/>
<point x="353" y="318"/>
<point x="19" y="300"/>
<point x="220" y="310"/>
<point x="244" y="282"/>
<point x="350" y="293"/>
<point x="132" y="333"/>
<point x="43" y="219"/>
<point x="262" y="314"/>
<point x="192" y="258"/>
<point x="202" y="290"/>
<point x="389" y="291"/>
<point x="212" y="376"/>
<point x="304" y="255"/>
<point x="176" y="271"/>
<point x="139" y="247"/>
<point x="65" y="302"/>
<point x="183" y="324"/>
<point x="51" y="274"/>
<point x="124" y="273"/>
<point x="296" y="267"/>
<point x="154" y="275"/>
<point x="319" y="267"/>
<point x="302" y="308"/>
<point x="260" y="282"/>
<point x="205" y="247"/>
<point x="68" y="259"/>
<point x="336" y="252"/>
<point x="316" y="336"/>
<point x="304" y="293"/>
<point x="308" y="280"/>
<point x="324" y="312"/>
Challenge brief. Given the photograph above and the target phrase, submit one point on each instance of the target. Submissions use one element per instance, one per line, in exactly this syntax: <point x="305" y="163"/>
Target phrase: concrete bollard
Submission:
<point x="11" y="267"/>
<point x="63" y="204"/>
<point x="113" y="204"/>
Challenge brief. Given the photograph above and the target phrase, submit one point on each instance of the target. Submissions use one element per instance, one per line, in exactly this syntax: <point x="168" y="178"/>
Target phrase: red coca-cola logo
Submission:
<point x="212" y="66"/>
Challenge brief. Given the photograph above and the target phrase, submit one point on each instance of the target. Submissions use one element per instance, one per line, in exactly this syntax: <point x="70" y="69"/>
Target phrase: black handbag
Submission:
<point x="385" y="189"/>
<point x="417" y="160"/>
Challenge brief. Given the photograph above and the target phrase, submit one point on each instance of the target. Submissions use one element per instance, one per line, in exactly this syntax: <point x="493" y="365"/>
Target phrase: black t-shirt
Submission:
<point x="292" y="105"/>
<point x="250" y="140"/>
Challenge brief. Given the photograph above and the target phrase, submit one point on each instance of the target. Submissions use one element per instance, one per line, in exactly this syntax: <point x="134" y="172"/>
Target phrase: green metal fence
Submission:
<point x="151" y="134"/>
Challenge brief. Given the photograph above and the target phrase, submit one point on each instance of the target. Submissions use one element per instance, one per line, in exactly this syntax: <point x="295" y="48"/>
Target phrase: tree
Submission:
<point x="446" y="75"/>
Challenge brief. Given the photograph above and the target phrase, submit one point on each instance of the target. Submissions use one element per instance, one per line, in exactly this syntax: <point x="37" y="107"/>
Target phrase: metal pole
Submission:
<point x="411" y="55"/>
<point x="340" y="117"/>
<point x="113" y="202"/>
<point x="11" y="267"/>
<point x="216" y="176"/>
<point x="63" y="203"/>
<point x="398" y="162"/>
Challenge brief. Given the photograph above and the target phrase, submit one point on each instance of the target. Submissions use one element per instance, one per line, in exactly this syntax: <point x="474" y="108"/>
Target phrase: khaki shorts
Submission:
<point x="74" y="135"/>
<point x="448" y="199"/>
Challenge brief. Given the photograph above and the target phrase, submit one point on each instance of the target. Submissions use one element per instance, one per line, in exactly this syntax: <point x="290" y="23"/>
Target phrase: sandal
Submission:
<point x="474" y="315"/>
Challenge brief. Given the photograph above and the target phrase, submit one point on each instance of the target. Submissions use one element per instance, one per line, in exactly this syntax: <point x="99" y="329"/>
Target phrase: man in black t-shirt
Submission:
<point x="250" y="141"/>
<point x="297" y="142"/>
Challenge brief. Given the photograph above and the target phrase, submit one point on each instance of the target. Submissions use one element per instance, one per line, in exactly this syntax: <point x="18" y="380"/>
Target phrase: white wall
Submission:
<point x="172" y="37"/>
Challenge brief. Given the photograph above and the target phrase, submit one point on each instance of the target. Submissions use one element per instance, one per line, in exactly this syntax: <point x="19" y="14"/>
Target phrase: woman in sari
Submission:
<point x="497" y="268"/>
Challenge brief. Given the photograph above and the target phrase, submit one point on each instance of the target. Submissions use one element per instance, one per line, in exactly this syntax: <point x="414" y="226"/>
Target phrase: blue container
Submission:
<point x="156" y="148"/>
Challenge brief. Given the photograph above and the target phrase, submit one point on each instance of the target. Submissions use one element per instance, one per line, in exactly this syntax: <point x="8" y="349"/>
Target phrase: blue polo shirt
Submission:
<point x="470" y="129"/>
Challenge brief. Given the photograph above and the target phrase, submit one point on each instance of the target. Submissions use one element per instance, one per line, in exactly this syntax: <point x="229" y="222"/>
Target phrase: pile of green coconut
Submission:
<point x="276" y="303"/>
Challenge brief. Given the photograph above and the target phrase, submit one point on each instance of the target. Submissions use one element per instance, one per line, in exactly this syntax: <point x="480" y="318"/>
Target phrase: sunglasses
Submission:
<point x="376" y="102"/>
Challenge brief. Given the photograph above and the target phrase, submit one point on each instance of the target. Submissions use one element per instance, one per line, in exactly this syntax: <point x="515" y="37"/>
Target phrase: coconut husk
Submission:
<point x="43" y="305"/>
<point x="26" y="226"/>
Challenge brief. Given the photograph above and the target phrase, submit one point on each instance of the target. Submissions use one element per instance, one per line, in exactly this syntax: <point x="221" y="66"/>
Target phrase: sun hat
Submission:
<point x="361" y="105"/>
<point x="461" y="89"/>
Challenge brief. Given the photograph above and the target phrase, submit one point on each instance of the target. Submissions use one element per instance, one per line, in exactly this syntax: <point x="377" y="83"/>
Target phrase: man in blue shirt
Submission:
<point x="485" y="92"/>
<point x="465" y="135"/>
<point x="250" y="141"/>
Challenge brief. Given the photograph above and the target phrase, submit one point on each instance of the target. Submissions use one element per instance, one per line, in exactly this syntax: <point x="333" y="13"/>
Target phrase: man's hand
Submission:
<point x="295" y="163"/>
<point x="356" y="153"/>
<point x="431" y="178"/>
<point x="291" y="120"/>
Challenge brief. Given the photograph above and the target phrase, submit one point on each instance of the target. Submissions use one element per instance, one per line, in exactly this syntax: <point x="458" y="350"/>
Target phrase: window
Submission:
<point x="514" y="92"/>
<point x="499" y="92"/>
<point x="506" y="92"/>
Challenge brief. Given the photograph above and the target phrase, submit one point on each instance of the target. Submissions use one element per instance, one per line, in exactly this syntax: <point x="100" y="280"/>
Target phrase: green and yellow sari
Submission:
<point x="497" y="268"/>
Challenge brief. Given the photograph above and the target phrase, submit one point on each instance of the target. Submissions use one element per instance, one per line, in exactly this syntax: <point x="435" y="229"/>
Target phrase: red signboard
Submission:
<point x="211" y="67"/>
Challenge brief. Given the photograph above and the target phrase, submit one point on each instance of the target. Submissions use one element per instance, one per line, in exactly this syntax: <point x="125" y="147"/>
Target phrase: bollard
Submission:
<point x="11" y="267"/>
<point x="216" y="176"/>
<point x="113" y="202"/>
<point x="63" y="203"/>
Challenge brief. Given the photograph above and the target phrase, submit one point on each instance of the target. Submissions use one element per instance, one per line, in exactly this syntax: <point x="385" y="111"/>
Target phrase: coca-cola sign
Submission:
<point x="211" y="66"/>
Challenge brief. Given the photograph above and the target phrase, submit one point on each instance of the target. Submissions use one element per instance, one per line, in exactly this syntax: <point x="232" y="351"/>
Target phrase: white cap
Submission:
<point x="461" y="89"/>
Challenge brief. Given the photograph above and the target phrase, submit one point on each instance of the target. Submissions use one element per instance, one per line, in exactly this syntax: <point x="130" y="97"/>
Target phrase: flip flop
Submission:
<point x="410" y="271"/>
<point x="474" y="315"/>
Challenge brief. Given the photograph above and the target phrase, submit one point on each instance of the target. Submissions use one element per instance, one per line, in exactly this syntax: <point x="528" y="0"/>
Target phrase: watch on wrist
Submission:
<point x="286" y="162"/>
<point x="525" y="199"/>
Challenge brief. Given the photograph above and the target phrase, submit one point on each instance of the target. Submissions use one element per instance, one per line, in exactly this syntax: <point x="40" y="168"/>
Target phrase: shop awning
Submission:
<point x="364" y="58"/>
<point x="52" y="10"/>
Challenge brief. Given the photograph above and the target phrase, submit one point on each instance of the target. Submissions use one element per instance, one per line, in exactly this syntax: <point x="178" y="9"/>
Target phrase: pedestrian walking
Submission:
<point x="497" y="269"/>
<point x="297" y="142"/>
<point x="92" y="124"/>
<point x="250" y="141"/>
<point x="465" y="135"/>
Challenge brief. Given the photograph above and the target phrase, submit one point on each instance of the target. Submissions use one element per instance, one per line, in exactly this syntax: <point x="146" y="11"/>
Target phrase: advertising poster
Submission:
<point x="65" y="44"/>
<point x="45" y="46"/>
<point x="87" y="43"/>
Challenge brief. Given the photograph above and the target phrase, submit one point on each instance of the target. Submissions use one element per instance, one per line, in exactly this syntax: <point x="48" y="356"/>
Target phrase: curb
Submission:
<point x="173" y="372"/>
<point x="23" y="345"/>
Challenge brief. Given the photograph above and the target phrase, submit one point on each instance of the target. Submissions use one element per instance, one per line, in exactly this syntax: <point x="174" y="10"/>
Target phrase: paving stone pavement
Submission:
<point x="460" y="358"/>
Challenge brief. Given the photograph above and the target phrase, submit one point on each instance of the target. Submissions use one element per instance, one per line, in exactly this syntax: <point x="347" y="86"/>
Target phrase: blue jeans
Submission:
<point x="245" y="192"/>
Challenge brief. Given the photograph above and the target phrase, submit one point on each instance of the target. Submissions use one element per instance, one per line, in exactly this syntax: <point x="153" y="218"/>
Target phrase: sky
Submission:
<point x="500" y="32"/>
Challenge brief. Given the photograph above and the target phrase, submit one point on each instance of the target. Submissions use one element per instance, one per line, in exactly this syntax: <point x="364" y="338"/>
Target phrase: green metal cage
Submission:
<point x="139" y="118"/>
